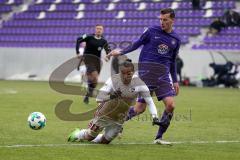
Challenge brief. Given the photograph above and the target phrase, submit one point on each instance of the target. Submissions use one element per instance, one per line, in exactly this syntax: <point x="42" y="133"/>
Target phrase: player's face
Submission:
<point x="166" y="22"/>
<point x="126" y="75"/>
<point x="99" y="30"/>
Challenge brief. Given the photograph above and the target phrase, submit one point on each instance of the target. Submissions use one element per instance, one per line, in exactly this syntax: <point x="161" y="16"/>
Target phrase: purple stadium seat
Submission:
<point x="61" y="28"/>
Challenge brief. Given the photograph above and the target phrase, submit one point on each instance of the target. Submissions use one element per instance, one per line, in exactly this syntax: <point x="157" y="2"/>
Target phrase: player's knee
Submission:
<point x="92" y="76"/>
<point x="95" y="74"/>
<point x="95" y="81"/>
<point x="170" y="107"/>
<point x="169" y="104"/>
<point x="140" y="108"/>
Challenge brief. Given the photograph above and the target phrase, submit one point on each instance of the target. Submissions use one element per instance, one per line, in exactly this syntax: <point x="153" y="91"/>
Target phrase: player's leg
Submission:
<point x="165" y="92"/>
<point x="93" y="65"/>
<point x="135" y="110"/>
<point x="79" y="135"/>
<point x="111" y="132"/>
<point x="139" y="108"/>
<point x="94" y="128"/>
<point x="92" y="81"/>
<point x="166" y="116"/>
<point x="149" y="73"/>
<point x="101" y="139"/>
<point x="92" y="76"/>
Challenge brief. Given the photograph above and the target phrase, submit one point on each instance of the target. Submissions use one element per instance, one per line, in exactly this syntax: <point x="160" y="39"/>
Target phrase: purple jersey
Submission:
<point x="158" y="47"/>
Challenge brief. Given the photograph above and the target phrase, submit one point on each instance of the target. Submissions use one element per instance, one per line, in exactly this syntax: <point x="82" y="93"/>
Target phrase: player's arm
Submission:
<point x="141" y="41"/>
<point x="145" y="93"/>
<point x="173" y="69"/>
<point x="81" y="39"/>
<point x="104" y="92"/>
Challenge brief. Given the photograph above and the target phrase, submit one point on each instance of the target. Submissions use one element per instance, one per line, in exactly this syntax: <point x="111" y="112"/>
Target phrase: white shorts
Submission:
<point x="111" y="128"/>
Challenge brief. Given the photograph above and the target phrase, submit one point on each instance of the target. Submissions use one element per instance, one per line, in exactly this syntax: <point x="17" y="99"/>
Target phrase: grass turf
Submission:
<point x="202" y="114"/>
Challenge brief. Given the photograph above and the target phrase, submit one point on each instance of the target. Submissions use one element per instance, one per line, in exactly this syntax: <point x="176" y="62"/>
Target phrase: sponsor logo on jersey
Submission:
<point x="163" y="49"/>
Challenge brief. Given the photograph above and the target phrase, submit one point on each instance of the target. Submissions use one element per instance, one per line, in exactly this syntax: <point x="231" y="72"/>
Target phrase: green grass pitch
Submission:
<point x="203" y="117"/>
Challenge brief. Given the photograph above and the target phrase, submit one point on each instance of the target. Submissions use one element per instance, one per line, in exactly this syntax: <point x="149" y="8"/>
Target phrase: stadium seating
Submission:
<point x="6" y="6"/>
<point x="57" y="23"/>
<point x="227" y="39"/>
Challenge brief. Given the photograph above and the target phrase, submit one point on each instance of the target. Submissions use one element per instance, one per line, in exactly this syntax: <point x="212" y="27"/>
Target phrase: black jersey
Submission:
<point x="94" y="45"/>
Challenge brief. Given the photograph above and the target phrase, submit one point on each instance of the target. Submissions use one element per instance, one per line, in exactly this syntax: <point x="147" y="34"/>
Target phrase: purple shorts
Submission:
<point x="158" y="80"/>
<point x="165" y="89"/>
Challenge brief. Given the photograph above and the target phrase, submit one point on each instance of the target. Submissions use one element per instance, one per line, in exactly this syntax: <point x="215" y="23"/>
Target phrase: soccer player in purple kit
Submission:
<point x="157" y="68"/>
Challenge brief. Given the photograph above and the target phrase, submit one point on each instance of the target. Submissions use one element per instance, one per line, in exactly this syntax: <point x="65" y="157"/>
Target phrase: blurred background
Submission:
<point x="36" y="36"/>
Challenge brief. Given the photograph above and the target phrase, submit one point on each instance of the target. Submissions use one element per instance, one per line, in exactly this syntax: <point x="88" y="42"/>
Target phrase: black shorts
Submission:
<point x="93" y="63"/>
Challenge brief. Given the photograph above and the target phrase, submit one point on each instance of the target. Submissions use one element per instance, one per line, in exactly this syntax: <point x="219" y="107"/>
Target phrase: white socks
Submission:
<point x="81" y="134"/>
<point x="98" y="139"/>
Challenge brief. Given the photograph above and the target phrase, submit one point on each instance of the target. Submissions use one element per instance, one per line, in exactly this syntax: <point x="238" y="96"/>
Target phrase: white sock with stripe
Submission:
<point x="81" y="134"/>
<point x="98" y="139"/>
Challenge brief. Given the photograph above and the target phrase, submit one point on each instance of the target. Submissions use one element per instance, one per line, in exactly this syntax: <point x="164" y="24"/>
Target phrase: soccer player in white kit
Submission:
<point x="114" y="98"/>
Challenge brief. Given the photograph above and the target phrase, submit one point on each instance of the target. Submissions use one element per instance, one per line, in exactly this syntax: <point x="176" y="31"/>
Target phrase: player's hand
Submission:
<point x="114" y="53"/>
<point x="176" y="87"/>
<point x="156" y="121"/>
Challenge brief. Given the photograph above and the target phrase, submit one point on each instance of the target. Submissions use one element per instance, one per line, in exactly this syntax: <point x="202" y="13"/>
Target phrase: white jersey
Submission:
<point x="117" y="109"/>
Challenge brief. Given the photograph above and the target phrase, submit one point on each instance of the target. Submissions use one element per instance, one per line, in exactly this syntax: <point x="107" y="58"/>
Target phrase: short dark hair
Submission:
<point x="167" y="11"/>
<point x="99" y="25"/>
<point x="127" y="63"/>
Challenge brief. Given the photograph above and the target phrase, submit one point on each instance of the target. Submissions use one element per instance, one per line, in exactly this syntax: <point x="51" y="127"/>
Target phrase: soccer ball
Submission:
<point x="36" y="120"/>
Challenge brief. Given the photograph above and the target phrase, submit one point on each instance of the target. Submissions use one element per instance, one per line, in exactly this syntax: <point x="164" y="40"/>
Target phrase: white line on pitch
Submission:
<point x="90" y="144"/>
<point x="8" y="91"/>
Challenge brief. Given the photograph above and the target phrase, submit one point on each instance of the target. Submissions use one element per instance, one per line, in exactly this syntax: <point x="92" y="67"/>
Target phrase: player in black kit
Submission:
<point x="92" y="56"/>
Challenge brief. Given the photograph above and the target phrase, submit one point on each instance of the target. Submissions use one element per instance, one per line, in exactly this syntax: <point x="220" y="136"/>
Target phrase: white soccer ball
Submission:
<point x="36" y="120"/>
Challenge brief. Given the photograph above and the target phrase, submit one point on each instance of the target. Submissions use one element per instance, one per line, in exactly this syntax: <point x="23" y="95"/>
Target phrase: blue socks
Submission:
<point x="131" y="113"/>
<point x="165" y="122"/>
